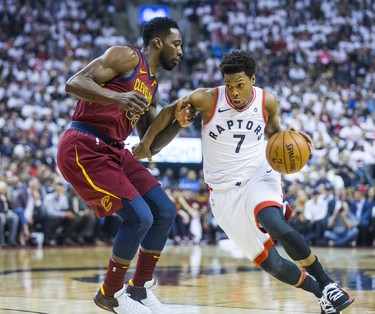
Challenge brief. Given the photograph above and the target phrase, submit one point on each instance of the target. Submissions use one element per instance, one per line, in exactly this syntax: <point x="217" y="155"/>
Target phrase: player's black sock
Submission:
<point x="310" y="284"/>
<point x="316" y="270"/>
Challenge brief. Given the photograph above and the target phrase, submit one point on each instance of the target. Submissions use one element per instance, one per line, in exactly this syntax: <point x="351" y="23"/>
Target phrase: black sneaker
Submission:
<point x="337" y="297"/>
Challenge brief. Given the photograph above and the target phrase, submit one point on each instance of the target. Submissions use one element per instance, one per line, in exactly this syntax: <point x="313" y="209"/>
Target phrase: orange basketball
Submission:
<point x="287" y="152"/>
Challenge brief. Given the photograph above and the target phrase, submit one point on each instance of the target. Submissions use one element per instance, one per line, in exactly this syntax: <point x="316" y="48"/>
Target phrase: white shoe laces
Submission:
<point x="332" y="292"/>
<point x="327" y="307"/>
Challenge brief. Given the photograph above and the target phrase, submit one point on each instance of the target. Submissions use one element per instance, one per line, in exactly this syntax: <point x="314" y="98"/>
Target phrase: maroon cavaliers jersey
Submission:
<point x="111" y="120"/>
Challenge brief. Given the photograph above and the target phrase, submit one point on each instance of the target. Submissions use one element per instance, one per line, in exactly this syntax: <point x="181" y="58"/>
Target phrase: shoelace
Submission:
<point x="326" y="307"/>
<point x="333" y="292"/>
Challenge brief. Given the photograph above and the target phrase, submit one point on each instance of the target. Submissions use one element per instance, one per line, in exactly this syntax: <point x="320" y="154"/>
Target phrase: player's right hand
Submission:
<point x="306" y="137"/>
<point x="140" y="151"/>
<point x="132" y="102"/>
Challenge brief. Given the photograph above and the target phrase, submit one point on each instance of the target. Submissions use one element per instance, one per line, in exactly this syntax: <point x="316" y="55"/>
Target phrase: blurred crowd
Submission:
<point x="317" y="57"/>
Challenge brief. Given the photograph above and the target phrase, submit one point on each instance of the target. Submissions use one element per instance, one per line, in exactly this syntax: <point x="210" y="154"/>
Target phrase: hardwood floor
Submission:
<point x="192" y="279"/>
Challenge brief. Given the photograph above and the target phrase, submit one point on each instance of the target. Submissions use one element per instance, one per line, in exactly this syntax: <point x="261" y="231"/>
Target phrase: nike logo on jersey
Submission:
<point x="142" y="72"/>
<point x="268" y="171"/>
<point x="223" y="110"/>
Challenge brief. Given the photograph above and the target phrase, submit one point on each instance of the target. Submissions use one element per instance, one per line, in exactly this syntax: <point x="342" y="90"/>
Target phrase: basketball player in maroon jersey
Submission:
<point x="118" y="92"/>
<point x="245" y="194"/>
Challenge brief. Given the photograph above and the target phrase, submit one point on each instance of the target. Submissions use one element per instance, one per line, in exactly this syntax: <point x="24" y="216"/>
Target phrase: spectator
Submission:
<point x="361" y="207"/>
<point x="371" y="197"/>
<point x="190" y="182"/>
<point x="8" y="219"/>
<point x="342" y="230"/>
<point x="61" y="221"/>
<point x="154" y="170"/>
<point x="180" y="231"/>
<point x="20" y="203"/>
<point x="33" y="210"/>
<point x="168" y="180"/>
<point x="302" y="225"/>
<point x="315" y="212"/>
<point x="84" y="231"/>
<point x="193" y="209"/>
<point x="351" y="132"/>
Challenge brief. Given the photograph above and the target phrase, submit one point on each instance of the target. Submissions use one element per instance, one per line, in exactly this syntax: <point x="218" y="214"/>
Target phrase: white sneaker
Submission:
<point x="146" y="296"/>
<point x="121" y="303"/>
<point x="326" y="307"/>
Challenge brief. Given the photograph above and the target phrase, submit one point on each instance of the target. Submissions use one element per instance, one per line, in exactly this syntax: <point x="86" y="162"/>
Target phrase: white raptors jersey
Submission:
<point x="233" y="141"/>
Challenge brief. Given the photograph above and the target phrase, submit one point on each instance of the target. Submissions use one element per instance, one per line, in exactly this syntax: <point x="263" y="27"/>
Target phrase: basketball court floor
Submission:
<point x="192" y="279"/>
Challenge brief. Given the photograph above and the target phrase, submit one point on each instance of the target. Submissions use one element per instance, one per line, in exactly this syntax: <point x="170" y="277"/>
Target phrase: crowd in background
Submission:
<point x="317" y="57"/>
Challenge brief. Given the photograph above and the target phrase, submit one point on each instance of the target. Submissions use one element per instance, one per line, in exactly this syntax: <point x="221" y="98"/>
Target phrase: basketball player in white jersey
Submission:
<point x="245" y="193"/>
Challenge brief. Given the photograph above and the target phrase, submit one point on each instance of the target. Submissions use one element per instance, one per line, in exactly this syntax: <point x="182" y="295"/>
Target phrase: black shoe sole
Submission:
<point x="344" y="305"/>
<point x="103" y="306"/>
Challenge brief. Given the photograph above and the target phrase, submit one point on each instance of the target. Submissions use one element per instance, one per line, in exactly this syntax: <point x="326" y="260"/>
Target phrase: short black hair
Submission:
<point x="157" y="27"/>
<point x="238" y="61"/>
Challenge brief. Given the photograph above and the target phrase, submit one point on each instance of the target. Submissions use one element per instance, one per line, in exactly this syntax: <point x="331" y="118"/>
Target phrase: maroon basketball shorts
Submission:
<point x="101" y="174"/>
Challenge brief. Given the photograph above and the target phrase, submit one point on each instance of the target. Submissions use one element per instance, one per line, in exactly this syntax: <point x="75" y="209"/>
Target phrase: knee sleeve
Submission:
<point x="137" y="220"/>
<point x="273" y="263"/>
<point x="136" y="214"/>
<point x="162" y="207"/>
<point x="164" y="212"/>
<point x="295" y="245"/>
<point x="280" y="268"/>
<point x="273" y="221"/>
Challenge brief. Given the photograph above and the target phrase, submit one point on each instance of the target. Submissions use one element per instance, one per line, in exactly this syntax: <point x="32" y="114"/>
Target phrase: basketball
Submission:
<point x="287" y="152"/>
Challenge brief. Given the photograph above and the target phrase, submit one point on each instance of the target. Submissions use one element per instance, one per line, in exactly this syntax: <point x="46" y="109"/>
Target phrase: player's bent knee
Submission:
<point x="141" y="221"/>
<point x="169" y="211"/>
<point x="145" y="222"/>
<point x="272" y="264"/>
<point x="136" y="213"/>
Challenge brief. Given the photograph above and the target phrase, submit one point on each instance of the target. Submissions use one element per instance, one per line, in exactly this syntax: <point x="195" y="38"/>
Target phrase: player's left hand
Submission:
<point x="140" y="151"/>
<point x="306" y="137"/>
<point x="185" y="116"/>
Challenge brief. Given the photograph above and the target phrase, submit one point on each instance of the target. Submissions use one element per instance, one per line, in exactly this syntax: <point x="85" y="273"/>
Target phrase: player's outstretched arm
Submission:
<point x="162" y="130"/>
<point x="184" y="116"/>
<point x="171" y="118"/>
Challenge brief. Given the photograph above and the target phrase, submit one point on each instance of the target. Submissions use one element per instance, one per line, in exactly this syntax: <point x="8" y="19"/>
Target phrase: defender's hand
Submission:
<point x="132" y="102"/>
<point x="140" y="152"/>
<point x="185" y="116"/>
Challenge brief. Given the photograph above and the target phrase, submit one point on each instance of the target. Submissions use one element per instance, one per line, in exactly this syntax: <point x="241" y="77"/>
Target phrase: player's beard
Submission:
<point x="167" y="64"/>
